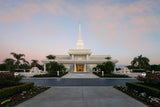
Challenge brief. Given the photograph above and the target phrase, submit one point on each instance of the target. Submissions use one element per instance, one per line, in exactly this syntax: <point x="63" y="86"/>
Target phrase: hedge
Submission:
<point x="9" y="91"/>
<point x="139" y="86"/>
<point x="111" y="75"/>
<point x="138" y="70"/>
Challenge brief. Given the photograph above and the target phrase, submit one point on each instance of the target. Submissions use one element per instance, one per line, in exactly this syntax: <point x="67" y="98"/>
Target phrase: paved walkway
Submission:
<point x="82" y="97"/>
<point x="80" y="75"/>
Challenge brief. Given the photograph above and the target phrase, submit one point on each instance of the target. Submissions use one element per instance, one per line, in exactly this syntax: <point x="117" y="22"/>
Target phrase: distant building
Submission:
<point x="79" y="59"/>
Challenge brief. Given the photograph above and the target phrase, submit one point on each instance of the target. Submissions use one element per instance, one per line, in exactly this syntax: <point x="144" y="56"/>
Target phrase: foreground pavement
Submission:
<point x="82" y="97"/>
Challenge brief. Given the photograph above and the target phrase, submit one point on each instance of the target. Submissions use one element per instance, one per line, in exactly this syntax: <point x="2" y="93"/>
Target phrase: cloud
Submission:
<point x="26" y="11"/>
<point x="118" y="25"/>
<point x="126" y="24"/>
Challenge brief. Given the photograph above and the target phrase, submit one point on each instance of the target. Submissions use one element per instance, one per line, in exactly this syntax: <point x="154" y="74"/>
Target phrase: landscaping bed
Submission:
<point x="141" y="87"/>
<point x="12" y="91"/>
<point x="147" y="91"/>
<point x="141" y="96"/>
<point x="110" y="75"/>
<point x="8" y="91"/>
<point x="17" y="98"/>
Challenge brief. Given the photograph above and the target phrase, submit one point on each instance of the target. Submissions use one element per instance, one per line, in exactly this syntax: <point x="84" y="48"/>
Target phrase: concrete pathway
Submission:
<point x="82" y="97"/>
<point x="80" y="75"/>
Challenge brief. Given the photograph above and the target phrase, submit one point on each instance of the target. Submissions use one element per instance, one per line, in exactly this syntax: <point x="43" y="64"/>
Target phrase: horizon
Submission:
<point x="122" y="29"/>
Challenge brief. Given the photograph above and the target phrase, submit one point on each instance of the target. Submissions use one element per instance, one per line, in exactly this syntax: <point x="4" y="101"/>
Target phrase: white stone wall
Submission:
<point x="80" y="57"/>
<point x="67" y="67"/>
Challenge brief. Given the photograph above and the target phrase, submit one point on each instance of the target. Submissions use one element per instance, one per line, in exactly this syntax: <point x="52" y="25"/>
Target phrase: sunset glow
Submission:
<point x="123" y="29"/>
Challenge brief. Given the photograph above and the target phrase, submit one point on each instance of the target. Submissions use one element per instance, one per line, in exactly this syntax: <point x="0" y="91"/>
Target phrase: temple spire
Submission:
<point x="79" y="44"/>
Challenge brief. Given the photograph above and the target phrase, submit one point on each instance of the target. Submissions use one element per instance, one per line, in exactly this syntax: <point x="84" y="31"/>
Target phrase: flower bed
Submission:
<point x="152" y="79"/>
<point x="24" y="95"/>
<point x="140" y="86"/>
<point x="6" y="92"/>
<point x="9" y="79"/>
<point x="142" y="96"/>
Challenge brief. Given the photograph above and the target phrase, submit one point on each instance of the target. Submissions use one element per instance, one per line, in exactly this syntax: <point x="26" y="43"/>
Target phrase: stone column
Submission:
<point x="115" y="69"/>
<point x="44" y="67"/>
<point x="75" y="68"/>
<point x="87" y="57"/>
<point x="72" y="57"/>
<point x="85" y="68"/>
<point x="124" y="70"/>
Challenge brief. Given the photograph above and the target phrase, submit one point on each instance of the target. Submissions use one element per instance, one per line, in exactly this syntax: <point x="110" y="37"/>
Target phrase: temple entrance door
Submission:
<point x="80" y="68"/>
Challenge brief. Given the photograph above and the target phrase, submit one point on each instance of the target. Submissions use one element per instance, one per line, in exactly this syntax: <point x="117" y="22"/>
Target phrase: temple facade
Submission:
<point x="80" y="59"/>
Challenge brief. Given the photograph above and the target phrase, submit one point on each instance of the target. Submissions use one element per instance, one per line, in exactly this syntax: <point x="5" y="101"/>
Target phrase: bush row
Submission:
<point x="6" y="92"/>
<point x="111" y="75"/>
<point x="139" y="86"/>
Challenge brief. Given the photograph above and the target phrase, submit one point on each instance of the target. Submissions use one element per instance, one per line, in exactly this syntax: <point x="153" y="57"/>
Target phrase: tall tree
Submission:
<point x="108" y="66"/>
<point x="18" y="58"/>
<point x="9" y="63"/>
<point x="108" y="58"/>
<point x="50" y="57"/>
<point x="140" y="62"/>
<point x="34" y="63"/>
<point x="155" y="67"/>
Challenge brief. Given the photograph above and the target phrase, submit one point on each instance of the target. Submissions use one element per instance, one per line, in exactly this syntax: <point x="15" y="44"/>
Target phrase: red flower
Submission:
<point x="154" y="103"/>
<point x="133" y="94"/>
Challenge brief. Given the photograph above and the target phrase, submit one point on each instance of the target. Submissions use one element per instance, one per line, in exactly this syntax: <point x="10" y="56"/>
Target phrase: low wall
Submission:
<point x="4" y="71"/>
<point x="27" y="74"/>
<point x="133" y="75"/>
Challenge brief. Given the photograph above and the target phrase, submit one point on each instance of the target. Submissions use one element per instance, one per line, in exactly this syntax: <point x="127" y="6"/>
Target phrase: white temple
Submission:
<point x="79" y="59"/>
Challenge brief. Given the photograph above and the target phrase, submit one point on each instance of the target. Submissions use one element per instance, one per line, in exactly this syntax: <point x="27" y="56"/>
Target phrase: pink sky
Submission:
<point x="123" y="29"/>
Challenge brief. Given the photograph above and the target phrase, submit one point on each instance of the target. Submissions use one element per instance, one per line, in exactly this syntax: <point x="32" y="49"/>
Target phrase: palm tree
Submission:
<point x="9" y="62"/>
<point x="18" y="58"/>
<point x="108" y="58"/>
<point x="140" y="62"/>
<point x="34" y="63"/>
<point x="50" y="57"/>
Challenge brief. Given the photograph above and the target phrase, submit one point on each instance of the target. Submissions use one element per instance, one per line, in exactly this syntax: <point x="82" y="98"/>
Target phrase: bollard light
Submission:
<point x="143" y="74"/>
<point x="15" y="73"/>
<point x="57" y="73"/>
<point x="102" y="73"/>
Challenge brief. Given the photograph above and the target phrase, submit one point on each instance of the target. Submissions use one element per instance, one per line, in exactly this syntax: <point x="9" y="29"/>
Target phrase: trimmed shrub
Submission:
<point x="138" y="70"/>
<point x="6" y="92"/>
<point x="139" y="86"/>
<point x="107" y="67"/>
<point x="42" y="75"/>
<point x="9" y="79"/>
<point x="150" y="78"/>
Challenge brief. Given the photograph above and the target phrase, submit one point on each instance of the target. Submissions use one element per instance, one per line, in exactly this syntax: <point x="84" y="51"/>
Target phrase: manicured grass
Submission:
<point x="111" y="75"/>
<point x="20" y="97"/>
<point x="51" y="75"/>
